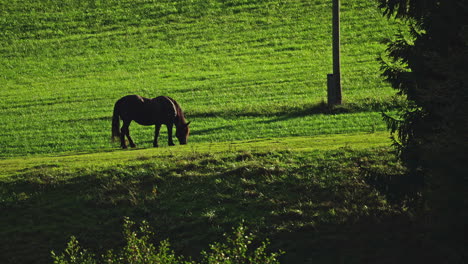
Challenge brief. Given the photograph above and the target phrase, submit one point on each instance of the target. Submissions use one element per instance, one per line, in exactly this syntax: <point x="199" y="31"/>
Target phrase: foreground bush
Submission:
<point x="237" y="250"/>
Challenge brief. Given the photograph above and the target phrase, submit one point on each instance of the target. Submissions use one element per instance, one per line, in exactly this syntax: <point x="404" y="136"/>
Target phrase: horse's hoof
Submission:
<point x="171" y="144"/>
<point x="124" y="147"/>
<point x="155" y="146"/>
<point x="133" y="146"/>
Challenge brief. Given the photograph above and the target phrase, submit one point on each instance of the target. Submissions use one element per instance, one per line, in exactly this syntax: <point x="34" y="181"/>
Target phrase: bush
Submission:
<point x="74" y="254"/>
<point x="138" y="249"/>
<point x="236" y="250"/>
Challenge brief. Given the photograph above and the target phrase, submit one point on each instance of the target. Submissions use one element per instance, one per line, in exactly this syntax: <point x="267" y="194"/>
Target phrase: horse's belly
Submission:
<point x="145" y="122"/>
<point x="156" y="119"/>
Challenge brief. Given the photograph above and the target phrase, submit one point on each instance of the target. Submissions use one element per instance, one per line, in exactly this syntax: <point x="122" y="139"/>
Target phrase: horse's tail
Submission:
<point x="115" y="123"/>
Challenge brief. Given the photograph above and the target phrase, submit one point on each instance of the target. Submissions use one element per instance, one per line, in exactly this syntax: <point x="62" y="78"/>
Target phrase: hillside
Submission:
<point x="264" y="149"/>
<point x="240" y="69"/>
<point x="311" y="200"/>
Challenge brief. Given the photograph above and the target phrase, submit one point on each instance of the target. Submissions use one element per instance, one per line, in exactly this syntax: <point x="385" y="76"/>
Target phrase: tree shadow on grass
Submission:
<point x="316" y="211"/>
<point x="301" y="110"/>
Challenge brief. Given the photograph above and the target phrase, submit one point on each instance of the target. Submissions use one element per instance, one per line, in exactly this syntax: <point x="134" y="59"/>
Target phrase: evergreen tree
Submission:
<point x="430" y="67"/>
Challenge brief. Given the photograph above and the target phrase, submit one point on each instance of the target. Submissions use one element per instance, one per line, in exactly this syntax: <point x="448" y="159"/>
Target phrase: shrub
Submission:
<point x="74" y="254"/>
<point x="138" y="249"/>
<point x="236" y="250"/>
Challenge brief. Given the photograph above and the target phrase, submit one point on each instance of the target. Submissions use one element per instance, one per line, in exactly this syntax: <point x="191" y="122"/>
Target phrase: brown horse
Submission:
<point x="158" y="111"/>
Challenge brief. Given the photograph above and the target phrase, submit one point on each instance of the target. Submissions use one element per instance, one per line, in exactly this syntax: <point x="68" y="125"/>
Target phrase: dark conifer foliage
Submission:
<point x="430" y="67"/>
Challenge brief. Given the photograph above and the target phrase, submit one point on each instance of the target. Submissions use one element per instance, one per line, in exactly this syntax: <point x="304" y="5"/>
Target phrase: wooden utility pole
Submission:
<point x="334" y="80"/>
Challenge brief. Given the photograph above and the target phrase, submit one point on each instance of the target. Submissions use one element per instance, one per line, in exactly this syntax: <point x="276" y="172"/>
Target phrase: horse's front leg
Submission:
<point x="157" y="127"/>
<point x="169" y="135"/>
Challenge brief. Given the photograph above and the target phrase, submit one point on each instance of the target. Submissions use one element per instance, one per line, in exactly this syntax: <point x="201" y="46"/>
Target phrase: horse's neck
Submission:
<point x="179" y="120"/>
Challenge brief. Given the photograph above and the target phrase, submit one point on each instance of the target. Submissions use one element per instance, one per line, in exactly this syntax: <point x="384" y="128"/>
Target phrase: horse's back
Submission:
<point x="164" y="101"/>
<point x="131" y="100"/>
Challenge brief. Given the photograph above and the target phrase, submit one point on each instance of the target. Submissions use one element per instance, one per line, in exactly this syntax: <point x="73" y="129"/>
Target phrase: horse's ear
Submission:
<point x="188" y="123"/>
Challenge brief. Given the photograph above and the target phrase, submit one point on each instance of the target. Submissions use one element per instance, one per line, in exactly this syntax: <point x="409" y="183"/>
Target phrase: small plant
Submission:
<point x="138" y="250"/>
<point x="74" y="254"/>
<point x="238" y="250"/>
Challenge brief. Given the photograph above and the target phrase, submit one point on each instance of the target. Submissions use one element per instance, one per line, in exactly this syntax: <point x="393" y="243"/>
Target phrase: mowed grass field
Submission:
<point x="240" y="69"/>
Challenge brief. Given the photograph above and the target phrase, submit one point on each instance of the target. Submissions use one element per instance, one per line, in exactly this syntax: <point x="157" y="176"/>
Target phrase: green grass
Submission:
<point x="240" y="69"/>
<point x="308" y="195"/>
<point x="82" y="161"/>
<point x="312" y="202"/>
<point x="264" y="147"/>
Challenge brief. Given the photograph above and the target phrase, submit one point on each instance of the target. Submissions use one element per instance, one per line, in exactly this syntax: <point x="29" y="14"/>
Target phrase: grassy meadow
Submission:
<point x="240" y="69"/>
<point x="264" y="148"/>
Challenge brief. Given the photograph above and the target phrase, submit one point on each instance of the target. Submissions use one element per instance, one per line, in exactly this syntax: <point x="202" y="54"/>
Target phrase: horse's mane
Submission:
<point x="180" y="116"/>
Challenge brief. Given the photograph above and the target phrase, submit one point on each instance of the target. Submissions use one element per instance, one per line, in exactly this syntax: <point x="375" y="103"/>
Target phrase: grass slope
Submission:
<point x="314" y="202"/>
<point x="251" y="76"/>
<point x="241" y="69"/>
<point x="79" y="161"/>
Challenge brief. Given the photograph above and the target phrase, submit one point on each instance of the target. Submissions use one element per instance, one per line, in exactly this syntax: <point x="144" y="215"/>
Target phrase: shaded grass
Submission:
<point x="309" y="203"/>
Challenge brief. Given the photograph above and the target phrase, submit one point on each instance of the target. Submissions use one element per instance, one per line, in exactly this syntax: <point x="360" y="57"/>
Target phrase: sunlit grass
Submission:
<point x="238" y="68"/>
<point x="72" y="161"/>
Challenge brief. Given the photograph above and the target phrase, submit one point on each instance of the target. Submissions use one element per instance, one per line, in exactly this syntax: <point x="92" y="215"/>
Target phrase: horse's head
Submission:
<point x="182" y="133"/>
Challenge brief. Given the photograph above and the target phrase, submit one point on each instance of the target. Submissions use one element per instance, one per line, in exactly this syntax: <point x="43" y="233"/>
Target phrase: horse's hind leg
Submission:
<point x="125" y="131"/>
